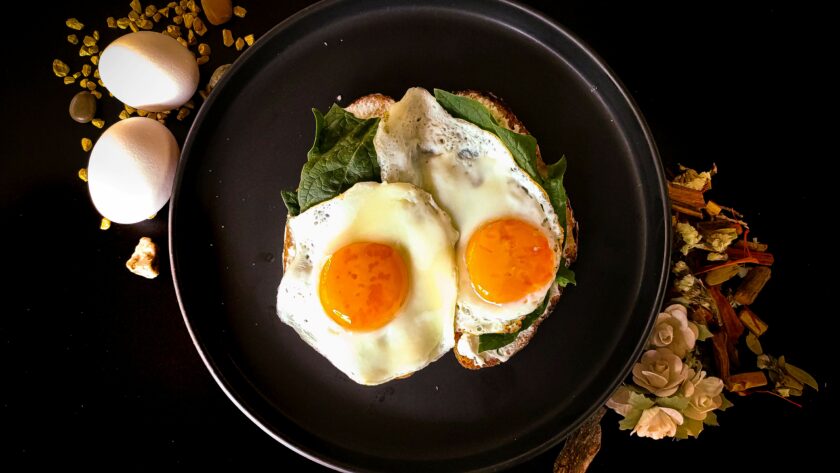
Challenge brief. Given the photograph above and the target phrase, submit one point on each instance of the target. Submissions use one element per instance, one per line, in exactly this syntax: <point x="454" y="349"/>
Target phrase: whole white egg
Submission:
<point x="149" y="71"/>
<point x="131" y="169"/>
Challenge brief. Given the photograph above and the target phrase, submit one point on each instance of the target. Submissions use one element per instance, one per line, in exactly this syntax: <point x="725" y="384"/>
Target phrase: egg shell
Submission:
<point x="149" y="71"/>
<point x="131" y="169"/>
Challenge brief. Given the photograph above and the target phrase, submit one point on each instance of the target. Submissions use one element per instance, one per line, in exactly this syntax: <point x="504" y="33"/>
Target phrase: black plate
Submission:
<point x="249" y="141"/>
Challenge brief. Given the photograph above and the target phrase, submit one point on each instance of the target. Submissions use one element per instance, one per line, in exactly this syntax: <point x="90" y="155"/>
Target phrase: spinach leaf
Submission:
<point x="290" y="198"/>
<point x="565" y="276"/>
<point x="342" y="155"/>
<point x="493" y="341"/>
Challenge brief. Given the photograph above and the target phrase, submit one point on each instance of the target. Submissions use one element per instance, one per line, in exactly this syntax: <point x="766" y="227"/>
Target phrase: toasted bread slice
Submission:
<point x="377" y="105"/>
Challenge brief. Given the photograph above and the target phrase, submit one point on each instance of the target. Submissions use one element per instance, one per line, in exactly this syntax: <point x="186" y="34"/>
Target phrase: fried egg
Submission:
<point x="370" y="280"/>
<point x="509" y="247"/>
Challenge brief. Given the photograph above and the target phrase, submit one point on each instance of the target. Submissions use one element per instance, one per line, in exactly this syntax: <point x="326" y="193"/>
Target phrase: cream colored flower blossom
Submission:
<point x="661" y="372"/>
<point x="673" y="330"/>
<point x="620" y="401"/>
<point x="658" y="423"/>
<point x="705" y="397"/>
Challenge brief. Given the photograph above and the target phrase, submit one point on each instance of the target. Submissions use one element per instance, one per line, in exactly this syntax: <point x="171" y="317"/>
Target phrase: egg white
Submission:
<point x="475" y="179"/>
<point x="406" y="218"/>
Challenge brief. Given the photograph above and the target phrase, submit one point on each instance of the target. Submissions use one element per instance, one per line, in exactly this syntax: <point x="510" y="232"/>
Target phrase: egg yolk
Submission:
<point x="508" y="259"/>
<point x="362" y="285"/>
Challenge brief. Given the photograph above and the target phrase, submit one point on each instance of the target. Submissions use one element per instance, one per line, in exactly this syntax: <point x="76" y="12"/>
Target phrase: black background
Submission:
<point x="96" y="364"/>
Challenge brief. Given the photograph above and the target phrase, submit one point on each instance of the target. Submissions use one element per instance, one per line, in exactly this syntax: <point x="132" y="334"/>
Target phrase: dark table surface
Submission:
<point x="98" y="370"/>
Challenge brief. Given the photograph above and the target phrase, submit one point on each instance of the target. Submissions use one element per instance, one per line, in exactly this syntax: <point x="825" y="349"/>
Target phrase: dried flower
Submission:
<point x="705" y="395"/>
<point x="658" y="423"/>
<point x="673" y="330"/>
<point x="660" y="371"/>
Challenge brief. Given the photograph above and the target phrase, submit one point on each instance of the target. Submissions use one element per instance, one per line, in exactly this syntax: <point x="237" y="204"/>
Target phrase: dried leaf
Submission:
<point x="802" y="376"/>
<point x="753" y="344"/>
<point x="744" y="381"/>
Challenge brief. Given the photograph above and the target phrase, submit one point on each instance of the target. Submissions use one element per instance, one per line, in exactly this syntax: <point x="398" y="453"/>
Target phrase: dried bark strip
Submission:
<point x="581" y="446"/>
<point x="752" y="285"/>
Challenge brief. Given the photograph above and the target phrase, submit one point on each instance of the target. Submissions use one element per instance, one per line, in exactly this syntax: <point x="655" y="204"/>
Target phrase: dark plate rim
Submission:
<point x="550" y="442"/>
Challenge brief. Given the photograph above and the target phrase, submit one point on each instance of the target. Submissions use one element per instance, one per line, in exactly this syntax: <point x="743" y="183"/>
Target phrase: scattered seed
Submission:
<point x="249" y="40"/>
<point x="87" y="144"/>
<point x="123" y="115"/>
<point x="142" y="113"/>
<point x="72" y="39"/>
<point x="86" y="70"/>
<point x="240" y="43"/>
<point x="111" y="22"/>
<point x="198" y="27"/>
<point x="204" y="49"/>
<point x="150" y="10"/>
<point x="91" y="85"/>
<point x="69" y="79"/>
<point x="60" y="69"/>
<point x="95" y="35"/>
<point x="129" y="109"/>
<point x="123" y="23"/>
<point x="94" y="60"/>
<point x="96" y="94"/>
<point x="156" y="17"/>
<point x="104" y="224"/>
<point x="76" y="75"/>
<point x="239" y="11"/>
<point x="96" y="73"/>
<point x="191" y="37"/>
<point x="133" y="27"/>
<point x="133" y="15"/>
<point x="83" y="83"/>
<point x="217" y="11"/>
<point x="83" y="174"/>
<point x="135" y="6"/>
<point x="98" y="122"/>
<point x="183" y="42"/>
<point x="202" y="60"/>
<point x="188" y="19"/>
<point x="227" y="37"/>
<point x="88" y="41"/>
<point x="100" y="82"/>
<point x="190" y="105"/>
<point x="182" y="113"/>
<point x="74" y="24"/>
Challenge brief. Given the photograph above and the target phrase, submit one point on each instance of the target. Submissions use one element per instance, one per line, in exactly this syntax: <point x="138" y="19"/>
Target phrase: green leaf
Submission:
<point x="640" y="401"/>
<point x="553" y="186"/>
<point x="726" y="404"/>
<point x="494" y="341"/>
<point x="689" y="428"/>
<point x="565" y="276"/>
<point x="290" y="198"/>
<point x="466" y="109"/>
<point x="638" y="404"/>
<point x="341" y="155"/>
<point x="711" y="419"/>
<point x="674" y="402"/>
<point x="704" y="333"/>
<point x="802" y="376"/>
